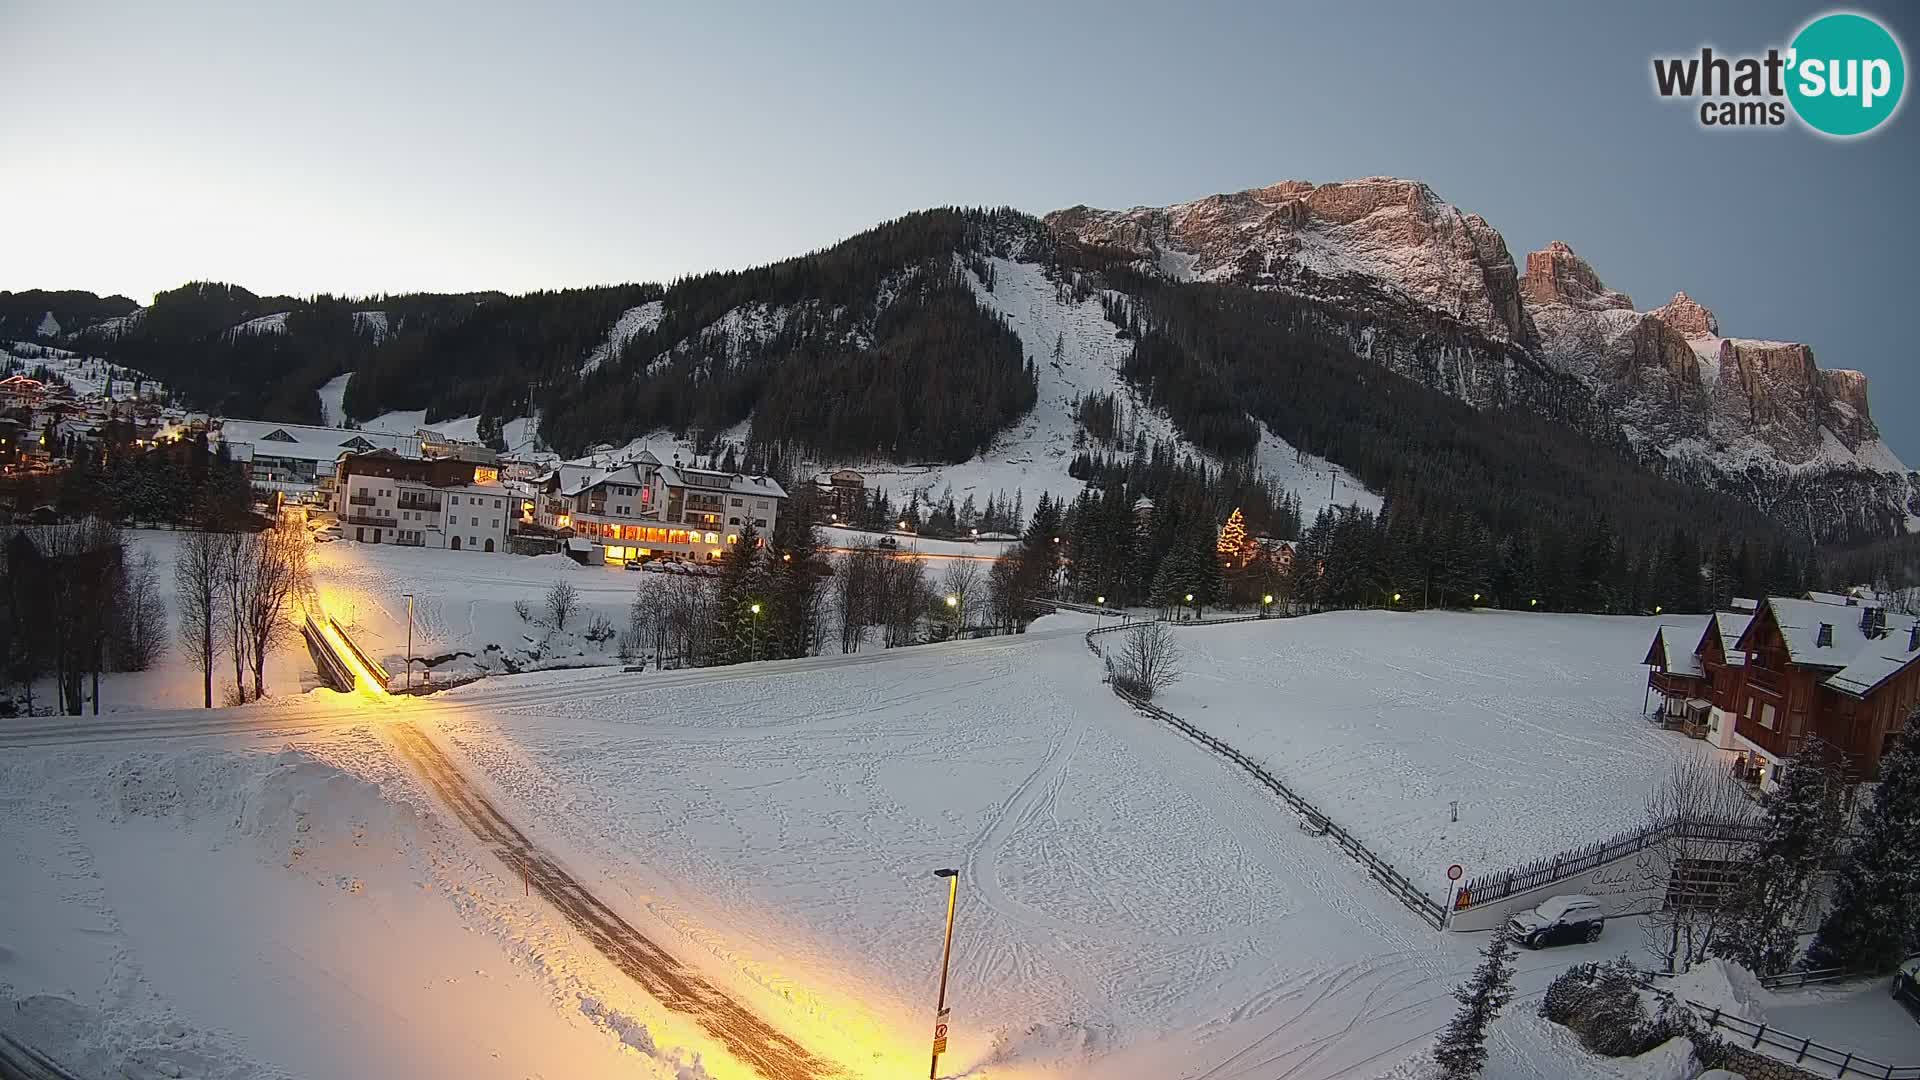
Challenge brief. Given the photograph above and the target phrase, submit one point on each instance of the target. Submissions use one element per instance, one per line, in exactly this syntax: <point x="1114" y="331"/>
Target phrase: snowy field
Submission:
<point x="285" y="896"/>
<point x="1531" y="722"/>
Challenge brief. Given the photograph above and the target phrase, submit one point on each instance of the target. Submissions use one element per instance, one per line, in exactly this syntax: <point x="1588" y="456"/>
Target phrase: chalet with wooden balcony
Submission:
<point x="1842" y="672"/>
<point x="384" y="498"/>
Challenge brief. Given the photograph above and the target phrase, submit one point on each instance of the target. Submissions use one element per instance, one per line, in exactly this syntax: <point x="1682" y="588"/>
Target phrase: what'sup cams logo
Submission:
<point x="1843" y="75"/>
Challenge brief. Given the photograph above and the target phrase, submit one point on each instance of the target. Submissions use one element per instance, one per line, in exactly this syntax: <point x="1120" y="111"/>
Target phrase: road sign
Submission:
<point x="940" y="1045"/>
<point x="1454" y="872"/>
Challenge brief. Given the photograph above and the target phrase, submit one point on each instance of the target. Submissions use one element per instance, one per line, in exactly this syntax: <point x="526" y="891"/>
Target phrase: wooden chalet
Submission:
<point x="1765" y="682"/>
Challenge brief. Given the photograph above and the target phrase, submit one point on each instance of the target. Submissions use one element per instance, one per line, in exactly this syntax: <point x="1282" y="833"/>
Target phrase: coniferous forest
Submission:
<point x="878" y="348"/>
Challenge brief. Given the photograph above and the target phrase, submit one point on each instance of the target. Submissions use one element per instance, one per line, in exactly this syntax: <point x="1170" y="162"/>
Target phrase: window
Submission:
<point x="454" y="499"/>
<point x="760" y="504"/>
<point x="735" y="502"/>
<point x="1766" y="717"/>
<point x="496" y="504"/>
<point x="476" y="522"/>
<point x="493" y="523"/>
<point x="760" y="523"/>
<point x="733" y="521"/>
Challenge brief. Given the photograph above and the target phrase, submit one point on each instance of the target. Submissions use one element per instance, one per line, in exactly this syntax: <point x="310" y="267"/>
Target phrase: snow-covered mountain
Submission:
<point x="1758" y="419"/>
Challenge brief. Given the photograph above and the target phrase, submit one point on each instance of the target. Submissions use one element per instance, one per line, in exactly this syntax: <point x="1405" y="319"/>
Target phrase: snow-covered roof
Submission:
<point x="1800" y="623"/>
<point x="1673" y="649"/>
<point x="1742" y="603"/>
<point x="574" y="477"/>
<point x="1730" y="625"/>
<point x="708" y="480"/>
<point x="1875" y="663"/>
<point x="1830" y="598"/>
<point x="302" y="442"/>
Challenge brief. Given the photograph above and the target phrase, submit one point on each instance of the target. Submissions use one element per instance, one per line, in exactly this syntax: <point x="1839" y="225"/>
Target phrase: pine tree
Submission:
<point x="1803" y="823"/>
<point x="1875" y="919"/>
<point x="1462" y="1049"/>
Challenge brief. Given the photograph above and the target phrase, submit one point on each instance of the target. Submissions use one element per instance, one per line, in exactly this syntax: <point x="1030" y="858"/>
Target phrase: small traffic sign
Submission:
<point x="940" y="1045"/>
<point x="1454" y="872"/>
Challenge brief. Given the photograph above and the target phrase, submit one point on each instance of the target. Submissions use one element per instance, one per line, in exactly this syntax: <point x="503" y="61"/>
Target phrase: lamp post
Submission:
<point x="1266" y="605"/>
<point x="756" y="629"/>
<point x="946" y="958"/>
<point x="409" y="642"/>
<point x="1190" y="604"/>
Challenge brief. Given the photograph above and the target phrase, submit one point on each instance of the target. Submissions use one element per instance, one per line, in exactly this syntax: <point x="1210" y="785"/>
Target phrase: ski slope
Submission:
<point x="1076" y="354"/>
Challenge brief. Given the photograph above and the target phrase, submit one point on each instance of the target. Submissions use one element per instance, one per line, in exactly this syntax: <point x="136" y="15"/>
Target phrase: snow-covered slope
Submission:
<point x="332" y="393"/>
<point x="1076" y="354"/>
<point x="87" y="375"/>
<point x="633" y="321"/>
<point x="265" y="324"/>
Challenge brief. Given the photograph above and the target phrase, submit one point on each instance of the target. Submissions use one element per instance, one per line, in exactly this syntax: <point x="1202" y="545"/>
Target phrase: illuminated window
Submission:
<point x="733" y="539"/>
<point x="713" y="538"/>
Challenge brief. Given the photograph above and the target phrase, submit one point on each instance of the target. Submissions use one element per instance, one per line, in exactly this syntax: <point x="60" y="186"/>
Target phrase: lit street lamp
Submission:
<point x="946" y="958"/>
<point x="756" y="629"/>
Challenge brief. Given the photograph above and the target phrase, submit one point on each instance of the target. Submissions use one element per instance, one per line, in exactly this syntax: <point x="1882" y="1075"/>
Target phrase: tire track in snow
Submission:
<point x="753" y="1040"/>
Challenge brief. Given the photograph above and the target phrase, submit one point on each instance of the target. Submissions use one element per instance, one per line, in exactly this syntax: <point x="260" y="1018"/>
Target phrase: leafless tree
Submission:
<point x="76" y="582"/>
<point x="904" y="594"/>
<point x="562" y="600"/>
<point x="196" y="581"/>
<point x="142" y="636"/>
<point x="961" y="581"/>
<point x="858" y="575"/>
<point x="686" y="619"/>
<point x="1149" y="660"/>
<point x="1695" y="881"/>
<point x="1006" y="593"/>
<point x="280" y="556"/>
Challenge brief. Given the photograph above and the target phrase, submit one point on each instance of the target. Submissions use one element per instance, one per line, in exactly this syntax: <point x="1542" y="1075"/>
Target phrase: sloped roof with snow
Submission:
<point x="1880" y="660"/>
<point x="1730" y="625"/>
<point x="1829" y="598"/>
<point x="304" y="442"/>
<point x="737" y="483"/>
<point x="1673" y="649"/>
<point x="1800" y="622"/>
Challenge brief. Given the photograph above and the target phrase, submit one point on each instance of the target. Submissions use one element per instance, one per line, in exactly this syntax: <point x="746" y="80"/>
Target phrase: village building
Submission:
<point x="299" y="459"/>
<point x="843" y="493"/>
<point x="381" y="497"/>
<point x="1762" y="683"/>
<point x="642" y="509"/>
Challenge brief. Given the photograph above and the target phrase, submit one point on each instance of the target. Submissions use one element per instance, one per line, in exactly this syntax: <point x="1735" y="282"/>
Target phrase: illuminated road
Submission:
<point x="751" y="1039"/>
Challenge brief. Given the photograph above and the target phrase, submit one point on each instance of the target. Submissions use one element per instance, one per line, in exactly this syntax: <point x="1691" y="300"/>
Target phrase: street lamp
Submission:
<point x="953" y="601"/>
<point x="409" y="642"/>
<point x="1396" y="598"/>
<point x="755" y="608"/>
<point x="946" y="958"/>
<point x="1476" y="598"/>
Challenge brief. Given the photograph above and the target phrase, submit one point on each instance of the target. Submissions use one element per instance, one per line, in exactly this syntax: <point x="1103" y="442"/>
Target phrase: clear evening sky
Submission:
<point x="361" y="148"/>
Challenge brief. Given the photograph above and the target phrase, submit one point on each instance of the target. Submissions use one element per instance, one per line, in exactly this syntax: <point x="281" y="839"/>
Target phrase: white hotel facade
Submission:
<point x="642" y="509"/>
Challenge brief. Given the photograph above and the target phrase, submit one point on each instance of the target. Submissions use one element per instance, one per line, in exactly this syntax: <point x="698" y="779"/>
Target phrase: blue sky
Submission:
<point x="361" y="148"/>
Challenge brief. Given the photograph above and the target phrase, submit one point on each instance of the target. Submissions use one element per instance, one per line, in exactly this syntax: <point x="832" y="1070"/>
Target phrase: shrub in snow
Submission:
<point x="1603" y="1005"/>
<point x="1149" y="661"/>
<point x="521" y="609"/>
<point x="1462" y="1049"/>
<point x="599" y="629"/>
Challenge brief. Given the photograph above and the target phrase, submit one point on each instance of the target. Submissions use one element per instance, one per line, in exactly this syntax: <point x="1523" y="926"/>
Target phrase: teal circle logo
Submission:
<point x="1846" y="74"/>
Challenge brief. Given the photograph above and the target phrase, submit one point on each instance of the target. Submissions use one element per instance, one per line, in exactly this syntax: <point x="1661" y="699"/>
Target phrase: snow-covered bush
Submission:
<point x="1603" y="1005"/>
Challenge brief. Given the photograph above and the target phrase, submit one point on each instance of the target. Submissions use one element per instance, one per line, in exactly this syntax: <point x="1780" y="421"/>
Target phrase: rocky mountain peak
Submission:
<point x="1688" y="316"/>
<point x="1383" y="228"/>
<point x="1555" y="275"/>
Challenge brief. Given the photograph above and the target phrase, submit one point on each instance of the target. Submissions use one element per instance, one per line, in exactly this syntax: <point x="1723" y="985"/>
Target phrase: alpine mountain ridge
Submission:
<point x="1756" y="419"/>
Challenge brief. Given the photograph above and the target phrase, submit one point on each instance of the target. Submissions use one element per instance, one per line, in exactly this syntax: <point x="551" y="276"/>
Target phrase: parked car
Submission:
<point x="889" y="542"/>
<point x="1562" y="920"/>
<point x="1906" y="984"/>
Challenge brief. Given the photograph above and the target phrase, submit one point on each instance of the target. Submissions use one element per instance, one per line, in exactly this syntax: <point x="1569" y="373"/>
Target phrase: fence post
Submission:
<point x="1802" y="1055"/>
<point x="1758" y="1035"/>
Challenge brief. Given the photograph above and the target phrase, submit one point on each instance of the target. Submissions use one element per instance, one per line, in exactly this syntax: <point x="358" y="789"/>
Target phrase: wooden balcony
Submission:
<point x="1766" y="679"/>
<point x="1674" y="684"/>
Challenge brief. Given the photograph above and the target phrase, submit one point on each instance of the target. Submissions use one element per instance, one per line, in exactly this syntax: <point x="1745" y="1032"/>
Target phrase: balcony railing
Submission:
<point x="369" y="519"/>
<point x="414" y="542"/>
<point x="361" y="500"/>
<point x="421" y="504"/>
<point x="1766" y="679"/>
<point x="1674" y="684"/>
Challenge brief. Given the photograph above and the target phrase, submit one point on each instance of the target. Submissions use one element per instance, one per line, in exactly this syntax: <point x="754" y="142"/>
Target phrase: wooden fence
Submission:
<point x="1428" y="909"/>
<point x="1487" y="888"/>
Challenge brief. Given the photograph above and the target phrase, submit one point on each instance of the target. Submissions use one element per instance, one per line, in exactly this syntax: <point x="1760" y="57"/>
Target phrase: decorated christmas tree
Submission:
<point x="1236" y="548"/>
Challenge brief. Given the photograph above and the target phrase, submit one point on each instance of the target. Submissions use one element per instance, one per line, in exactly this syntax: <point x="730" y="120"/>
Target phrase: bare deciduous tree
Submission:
<point x="858" y="577"/>
<point x="1697" y="878"/>
<point x="1006" y="594"/>
<point x="562" y="600"/>
<point x="143" y="628"/>
<point x="196" y="580"/>
<point x="962" y="582"/>
<point x="280" y="558"/>
<point x="1149" y="660"/>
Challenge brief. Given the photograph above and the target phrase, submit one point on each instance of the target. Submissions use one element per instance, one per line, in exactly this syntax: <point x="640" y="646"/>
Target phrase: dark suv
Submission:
<point x="1563" y="920"/>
